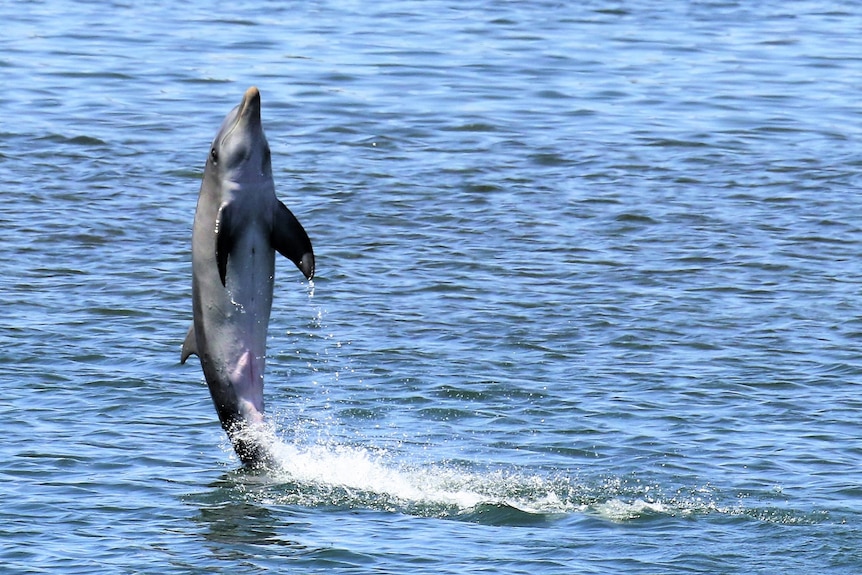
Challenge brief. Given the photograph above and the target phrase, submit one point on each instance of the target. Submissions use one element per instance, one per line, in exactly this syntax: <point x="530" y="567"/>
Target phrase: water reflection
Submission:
<point x="238" y="526"/>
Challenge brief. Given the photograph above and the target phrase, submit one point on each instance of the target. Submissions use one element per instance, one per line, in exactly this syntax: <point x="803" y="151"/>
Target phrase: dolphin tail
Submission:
<point x="288" y="237"/>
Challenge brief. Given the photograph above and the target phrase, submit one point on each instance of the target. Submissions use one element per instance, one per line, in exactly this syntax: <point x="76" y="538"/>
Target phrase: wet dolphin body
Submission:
<point x="239" y="225"/>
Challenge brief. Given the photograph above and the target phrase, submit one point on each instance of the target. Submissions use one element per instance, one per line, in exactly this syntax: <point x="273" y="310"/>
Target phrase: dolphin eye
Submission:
<point x="267" y="157"/>
<point x="214" y="155"/>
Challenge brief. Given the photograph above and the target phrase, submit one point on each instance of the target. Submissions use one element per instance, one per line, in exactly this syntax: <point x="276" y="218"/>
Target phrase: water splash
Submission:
<point x="332" y="474"/>
<point x="326" y="473"/>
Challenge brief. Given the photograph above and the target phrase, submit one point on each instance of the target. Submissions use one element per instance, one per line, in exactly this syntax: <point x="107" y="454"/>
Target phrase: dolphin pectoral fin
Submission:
<point x="288" y="237"/>
<point x="224" y="240"/>
<point x="190" y="345"/>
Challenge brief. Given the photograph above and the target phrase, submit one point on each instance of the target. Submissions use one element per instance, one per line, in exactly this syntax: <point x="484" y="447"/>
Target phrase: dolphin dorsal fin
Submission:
<point x="190" y="345"/>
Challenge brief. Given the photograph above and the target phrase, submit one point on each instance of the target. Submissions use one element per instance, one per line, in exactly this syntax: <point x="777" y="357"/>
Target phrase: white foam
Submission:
<point x="327" y="472"/>
<point x="366" y="476"/>
<point x="360" y="469"/>
<point x="618" y="510"/>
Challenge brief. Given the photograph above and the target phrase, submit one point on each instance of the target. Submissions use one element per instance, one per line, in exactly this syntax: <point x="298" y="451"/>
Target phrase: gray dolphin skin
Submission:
<point x="239" y="225"/>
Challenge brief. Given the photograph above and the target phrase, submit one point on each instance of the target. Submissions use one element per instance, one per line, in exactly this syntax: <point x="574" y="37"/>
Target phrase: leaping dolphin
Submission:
<point x="239" y="224"/>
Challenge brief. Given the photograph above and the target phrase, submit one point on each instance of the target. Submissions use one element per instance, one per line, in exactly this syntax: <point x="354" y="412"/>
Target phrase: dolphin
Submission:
<point x="239" y="225"/>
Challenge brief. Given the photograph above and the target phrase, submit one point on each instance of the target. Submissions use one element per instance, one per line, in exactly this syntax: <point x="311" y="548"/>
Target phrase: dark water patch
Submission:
<point x="636" y="218"/>
<point x="235" y="22"/>
<point x="500" y="514"/>
<point x="478" y="393"/>
<point x="550" y="159"/>
<point x="674" y="143"/>
<point x="81" y="140"/>
<point x="81" y="75"/>
<point x="363" y="414"/>
<point x="474" y="127"/>
<point x="206" y="80"/>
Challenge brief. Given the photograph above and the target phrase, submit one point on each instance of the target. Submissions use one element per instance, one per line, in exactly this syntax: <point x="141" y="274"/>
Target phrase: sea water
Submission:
<point x="587" y="295"/>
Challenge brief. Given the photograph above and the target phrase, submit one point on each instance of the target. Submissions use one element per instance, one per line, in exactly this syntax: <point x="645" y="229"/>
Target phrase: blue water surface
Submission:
<point x="587" y="295"/>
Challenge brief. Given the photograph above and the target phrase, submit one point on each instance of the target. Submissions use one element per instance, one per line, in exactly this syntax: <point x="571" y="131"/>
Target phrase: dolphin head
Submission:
<point x="240" y="152"/>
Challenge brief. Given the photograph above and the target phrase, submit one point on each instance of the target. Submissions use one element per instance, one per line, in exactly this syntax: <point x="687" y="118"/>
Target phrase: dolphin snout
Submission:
<point x="250" y="106"/>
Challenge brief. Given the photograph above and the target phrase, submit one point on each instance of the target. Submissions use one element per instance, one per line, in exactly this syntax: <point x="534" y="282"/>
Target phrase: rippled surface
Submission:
<point x="587" y="295"/>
